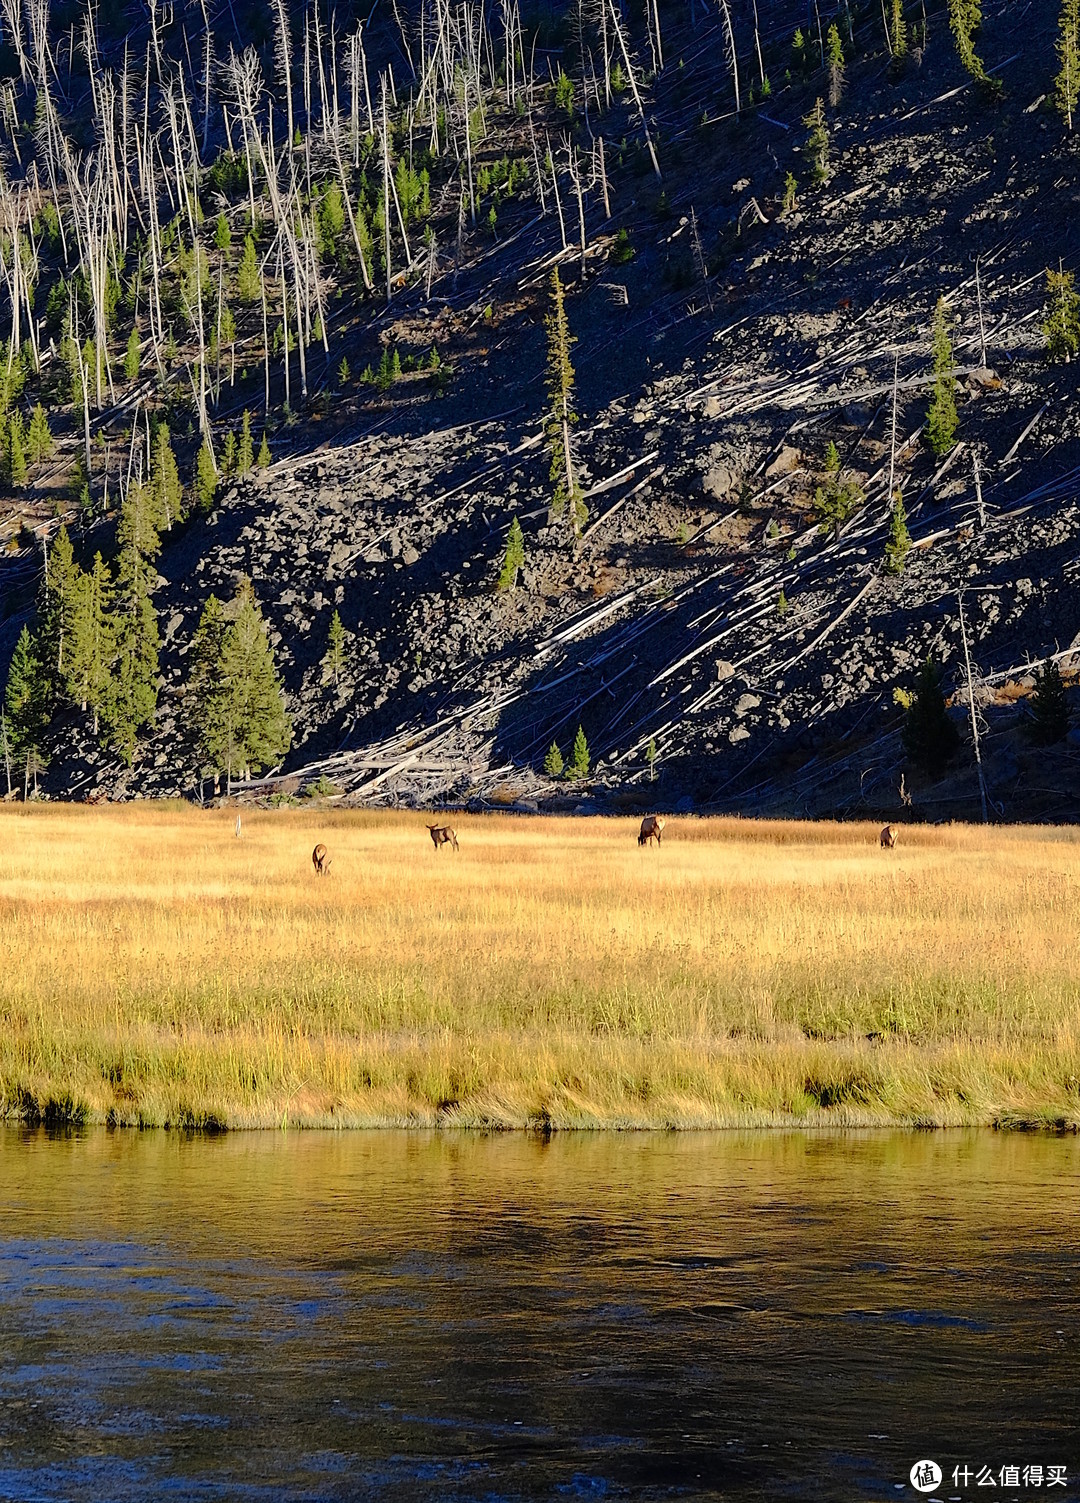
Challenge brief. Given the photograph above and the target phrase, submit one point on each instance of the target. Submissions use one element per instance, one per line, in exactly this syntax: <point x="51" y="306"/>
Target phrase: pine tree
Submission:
<point x="248" y="280"/>
<point x="579" y="757"/>
<point x="132" y="695"/>
<point x="514" y="558"/>
<point x="222" y="233"/>
<point x="1050" y="722"/>
<point x="834" y="55"/>
<point x="561" y="415"/>
<point x="166" y="496"/>
<point x="898" y="33"/>
<point x="791" y="188"/>
<point x="228" y="453"/>
<point x="207" y="698"/>
<point x="941" y="418"/>
<point x="263" y="460"/>
<point x="56" y="611"/>
<point x="553" y="762"/>
<point x="835" y="500"/>
<point x="334" y="656"/>
<point x="39" y="440"/>
<point x="25" y="697"/>
<point x="243" y="724"/>
<point x="1061" y="324"/>
<point x="1067" y="83"/>
<point x="132" y="356"/>
<point x="816" y="146"/>
<point x="899" y="544"/>
<point x="206" y="479"/>
<point x="244" y="452"/>
<point x="650" y="757"/>
<point x="89" y="664"/>
<point x="965" y="19"/>
<point x="930" y="738"/>
<point x="343" y="373"/>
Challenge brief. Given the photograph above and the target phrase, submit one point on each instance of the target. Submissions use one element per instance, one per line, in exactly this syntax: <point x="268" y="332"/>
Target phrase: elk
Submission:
<point x="651" y="826"/>
<point x="442" y="835"/>
<point x="320" y="860"/>
<point x="888" y="837"/>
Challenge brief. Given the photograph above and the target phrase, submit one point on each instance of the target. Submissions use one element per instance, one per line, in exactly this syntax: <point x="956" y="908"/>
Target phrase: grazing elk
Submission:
<point x="320" y="860"/>
<point x="888" y="837"/>
<point x="442" y="835"/>
<point x="652" y="827"/>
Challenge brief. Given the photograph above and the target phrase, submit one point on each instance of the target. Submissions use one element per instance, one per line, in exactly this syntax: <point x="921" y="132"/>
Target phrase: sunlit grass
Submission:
<point x="155" y="969"/>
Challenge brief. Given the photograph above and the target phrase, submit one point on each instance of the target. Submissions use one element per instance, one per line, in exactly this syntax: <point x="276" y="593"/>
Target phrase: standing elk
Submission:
<point x="888" y="837"/>
<point x="652" y="827"/>
<point x="442" y="835"/>
<point x="320" y="860"/>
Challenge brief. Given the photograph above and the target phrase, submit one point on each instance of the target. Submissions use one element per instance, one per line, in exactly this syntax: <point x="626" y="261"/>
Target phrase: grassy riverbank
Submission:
<point x="155" y="969"/>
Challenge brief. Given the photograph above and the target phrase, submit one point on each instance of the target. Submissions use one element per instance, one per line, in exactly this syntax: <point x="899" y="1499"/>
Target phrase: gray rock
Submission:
<point x="746" y="703"/>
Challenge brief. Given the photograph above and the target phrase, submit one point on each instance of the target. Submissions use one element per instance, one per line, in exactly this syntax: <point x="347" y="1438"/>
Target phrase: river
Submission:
<point x="278" y="1316"/>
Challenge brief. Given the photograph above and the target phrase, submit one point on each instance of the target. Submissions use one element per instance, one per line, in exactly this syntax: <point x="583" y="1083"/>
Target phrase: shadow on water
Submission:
<point x="748" y="1316"/>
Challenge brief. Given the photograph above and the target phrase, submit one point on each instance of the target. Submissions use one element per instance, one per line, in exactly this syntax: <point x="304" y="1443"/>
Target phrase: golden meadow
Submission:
<point x="154" y="969"/>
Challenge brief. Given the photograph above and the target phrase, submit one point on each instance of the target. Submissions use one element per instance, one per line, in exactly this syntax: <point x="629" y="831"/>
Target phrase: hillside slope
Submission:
<point x="717" y="650"/>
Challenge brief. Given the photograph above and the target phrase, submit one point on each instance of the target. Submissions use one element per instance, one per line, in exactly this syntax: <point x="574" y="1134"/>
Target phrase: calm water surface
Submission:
<point x="393" y="1316"/>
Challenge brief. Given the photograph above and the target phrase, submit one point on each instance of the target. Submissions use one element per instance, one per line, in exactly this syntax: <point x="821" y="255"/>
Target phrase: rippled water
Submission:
<point x="386" y="1315"/>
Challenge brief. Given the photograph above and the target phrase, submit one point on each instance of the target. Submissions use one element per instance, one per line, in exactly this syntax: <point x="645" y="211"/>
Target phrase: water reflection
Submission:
<point x="330" y="1317"/>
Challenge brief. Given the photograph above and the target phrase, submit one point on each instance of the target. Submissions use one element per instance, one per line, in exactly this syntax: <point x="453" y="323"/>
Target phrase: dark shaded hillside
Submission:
<point x="702" y="613"/>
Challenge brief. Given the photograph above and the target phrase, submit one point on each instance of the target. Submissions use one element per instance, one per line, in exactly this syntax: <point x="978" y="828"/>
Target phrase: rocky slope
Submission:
<point x="702" y="612"/>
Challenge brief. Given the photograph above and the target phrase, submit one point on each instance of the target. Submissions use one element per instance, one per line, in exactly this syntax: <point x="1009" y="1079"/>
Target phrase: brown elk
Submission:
<point x="320" y="860"/>
<point x="889" y="836"/>
<point x="652" y="827"/>
<point x="442" y="835"/>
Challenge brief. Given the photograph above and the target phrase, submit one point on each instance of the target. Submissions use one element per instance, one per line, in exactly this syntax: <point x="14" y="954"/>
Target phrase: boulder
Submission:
<point x="788" y="460"/>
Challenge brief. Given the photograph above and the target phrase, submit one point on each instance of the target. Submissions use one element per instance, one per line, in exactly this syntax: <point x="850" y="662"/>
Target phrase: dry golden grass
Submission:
<point x="154" y="969"/>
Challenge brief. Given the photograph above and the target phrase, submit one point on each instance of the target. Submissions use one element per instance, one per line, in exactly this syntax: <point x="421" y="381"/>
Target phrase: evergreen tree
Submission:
<point x="930" y="738"/>
<point x="1067" y="83"/>
<point x="816" y="146"/>
<point x="650" y="757"/>
<point x="25" y="697"/>
<point x="579" y="757"/>
<point x="899" y="544"/>
<point x="941" y="418"/>
<point x="228" y="453"/>
<point x="334" y="656"/>
<point x="898" y="33"/>
<point x="1061" y="325"/>
<point x="835" y="500"/>
<point x="222" y="233"/>
<point x="561" y="415"/>
<point x="553" y="762"/>
<point x="514" y="558"/>
<point x="207" y="696"/>
<point x="245" y="452"/>
<point x="248" y="280"/>
<point x="56" y="612"/>
<point x="263" y="460"/>
<point x="206" y="478"/>
<point x="791" y="188"/>
<point x="166" y="497"/>
<point x="132" y="695"/>
<point x="39" y="440"/>
<point x="834" y="54"/>
<point x="1050" y="713"/>
<point x="244" y="725"/>
<point x="89" y="664"/>
<point x="965" y="19"/>
<point x="343" y="373"/>
<point x="132" y="356"/>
